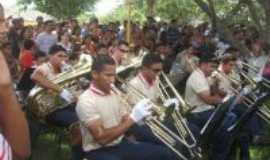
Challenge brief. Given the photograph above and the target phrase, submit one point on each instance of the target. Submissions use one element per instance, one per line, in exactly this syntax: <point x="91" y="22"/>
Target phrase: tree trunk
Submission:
<point x="151" y="7"/>
<point x="265" y="4"/>
<point x="221" y="27"/>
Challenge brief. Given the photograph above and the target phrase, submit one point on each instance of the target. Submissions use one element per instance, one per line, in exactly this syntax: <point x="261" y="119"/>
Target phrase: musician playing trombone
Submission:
<point x="198" y="95"/>
<point x="104" y="119"/>
<point x="147" y="82"/>
<point x="229" y="82"/>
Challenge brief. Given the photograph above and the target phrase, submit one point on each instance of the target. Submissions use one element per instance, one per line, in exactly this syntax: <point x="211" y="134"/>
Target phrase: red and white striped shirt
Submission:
<point x="5" y="149"/>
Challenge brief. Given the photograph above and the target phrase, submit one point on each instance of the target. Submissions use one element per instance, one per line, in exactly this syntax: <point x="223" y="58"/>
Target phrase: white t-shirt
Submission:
<point x="47" y="70"/>
<point x="45" y="41"/>
<point x="151" y="91"/>
<point x="95" y="105"/>
<point x="5" y="149"/>
<point x="197" y="83"/>
<point x="257" y="62"/>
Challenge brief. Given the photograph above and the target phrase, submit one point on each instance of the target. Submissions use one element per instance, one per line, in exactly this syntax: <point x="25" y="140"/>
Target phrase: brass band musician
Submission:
<point x="104" y="119"/>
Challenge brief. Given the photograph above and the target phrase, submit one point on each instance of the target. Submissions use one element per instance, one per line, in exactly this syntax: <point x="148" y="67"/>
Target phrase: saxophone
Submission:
<point x="42" y="102"/>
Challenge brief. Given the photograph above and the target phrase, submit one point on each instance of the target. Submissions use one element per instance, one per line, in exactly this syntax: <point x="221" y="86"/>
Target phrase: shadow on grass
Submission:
<point x="47" y="148"/>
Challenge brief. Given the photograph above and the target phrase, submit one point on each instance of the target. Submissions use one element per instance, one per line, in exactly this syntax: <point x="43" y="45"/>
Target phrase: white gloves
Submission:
<point x="227" y="97"/>
<point x="141" y="110"/>
<point x="258" y="78"/>
<point x="247" y="90"/>
<point x="172" y="101"/>
<point x="67" y="96"/>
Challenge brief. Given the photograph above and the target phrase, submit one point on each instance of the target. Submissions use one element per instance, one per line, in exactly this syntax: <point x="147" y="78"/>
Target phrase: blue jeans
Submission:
<point x="63" y="117"/>
<point x="127" y="150"/>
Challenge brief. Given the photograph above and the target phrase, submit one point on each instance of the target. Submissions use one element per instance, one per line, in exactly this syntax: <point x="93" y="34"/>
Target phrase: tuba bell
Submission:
<point x="42" y="102"/>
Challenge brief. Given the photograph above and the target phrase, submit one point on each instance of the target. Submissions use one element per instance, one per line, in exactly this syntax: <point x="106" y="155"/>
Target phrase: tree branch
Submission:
<point x="222" y="28"/>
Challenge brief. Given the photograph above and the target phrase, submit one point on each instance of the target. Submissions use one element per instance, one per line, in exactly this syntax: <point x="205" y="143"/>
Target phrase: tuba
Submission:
<point x="42" y="102"/>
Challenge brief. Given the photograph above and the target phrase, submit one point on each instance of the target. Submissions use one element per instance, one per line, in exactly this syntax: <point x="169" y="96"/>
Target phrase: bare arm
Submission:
<point x="41" y="80"/>
<point x="104" y="136"/>
<point x="13" y="121"/>
<point x="209" y="99"/>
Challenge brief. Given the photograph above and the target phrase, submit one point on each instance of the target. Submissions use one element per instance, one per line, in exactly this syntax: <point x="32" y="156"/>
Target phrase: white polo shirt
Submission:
<point x="151" y="91"/>
<point x="197" y="83"/>
<point x="94" y="105"/>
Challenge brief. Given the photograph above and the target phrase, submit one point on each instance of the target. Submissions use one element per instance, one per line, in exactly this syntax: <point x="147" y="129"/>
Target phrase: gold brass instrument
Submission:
<point x="254" y="69"/>
<point x="263" y="111"/>
<point x="42" y="102"/>
<point x="180" y="122"/>
<point x="164" y="134"/>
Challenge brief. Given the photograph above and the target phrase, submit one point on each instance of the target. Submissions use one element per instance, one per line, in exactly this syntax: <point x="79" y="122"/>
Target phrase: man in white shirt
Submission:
<point x="44" y="74"/>
<point x="257" y="60"/>
<point x="146" y="81"/>
<point x="198" y="95"/>
<point x="225" y="75"/>
<point x="104" y="119"/>
<point x="65" y="115"/>
<point x="45" y="40"/>
<point x="197" y="92"/>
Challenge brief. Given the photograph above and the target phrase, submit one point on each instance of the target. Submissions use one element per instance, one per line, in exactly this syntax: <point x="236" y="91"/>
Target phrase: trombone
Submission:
<point x="263" y="111"/>
<point x="180" y="122"/>
<point x="154" y="122"/>
<point x="254" y="69"/>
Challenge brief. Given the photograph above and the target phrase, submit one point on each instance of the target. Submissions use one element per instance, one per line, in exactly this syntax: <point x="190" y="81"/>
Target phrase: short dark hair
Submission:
<point x="39" y="54"/>
<point x="207" y="58"/>
<point x="56" y="48"/>
<point x="100" y="61"/>
<point x="228" y="58"/>
<point x="150" y="59"/>
<point x="123" y="43"/>
<point x="28" y="44"/>
<point x="48" y="22"/>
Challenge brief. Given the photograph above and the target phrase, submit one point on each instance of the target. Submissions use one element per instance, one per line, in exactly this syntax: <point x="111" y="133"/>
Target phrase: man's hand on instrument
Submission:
<point x="141" y="110"/>
<point x="67" y="96"/>
<point x="227" y="97"/>
<point x="171" y="101"/>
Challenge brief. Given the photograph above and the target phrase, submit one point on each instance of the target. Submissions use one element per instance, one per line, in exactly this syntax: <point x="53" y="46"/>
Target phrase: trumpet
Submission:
<point x="154" y="122"/>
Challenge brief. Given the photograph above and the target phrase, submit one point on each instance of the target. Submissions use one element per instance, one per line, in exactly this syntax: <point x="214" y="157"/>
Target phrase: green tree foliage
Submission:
<point x="60" y="9"/>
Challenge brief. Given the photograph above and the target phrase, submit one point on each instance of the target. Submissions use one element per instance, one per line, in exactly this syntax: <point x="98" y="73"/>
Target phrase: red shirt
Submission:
<point x="26" y="59"/>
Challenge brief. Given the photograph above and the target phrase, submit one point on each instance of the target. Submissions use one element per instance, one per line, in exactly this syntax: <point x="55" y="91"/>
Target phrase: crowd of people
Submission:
<point x="195" y="58"/>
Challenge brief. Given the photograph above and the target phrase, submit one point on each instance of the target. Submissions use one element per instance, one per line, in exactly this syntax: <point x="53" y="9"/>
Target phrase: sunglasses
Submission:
<point x="123" y="50"/>
<point x="156" y="70"/>
<point x="62" y="56"/>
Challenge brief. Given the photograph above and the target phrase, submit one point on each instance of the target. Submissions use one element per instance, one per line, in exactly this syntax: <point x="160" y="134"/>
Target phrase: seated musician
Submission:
<point x="226" y="77"/>
<point x="104" y="119"/>
<point x="198" y="95"/>
<point x="228" y="80"/>
<point x="48" y="71"/>
<point x="146" y="81"/>
<point x="119" y="53"/>
<point x="43" y="74"/>
<point x="197" y="92"/>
